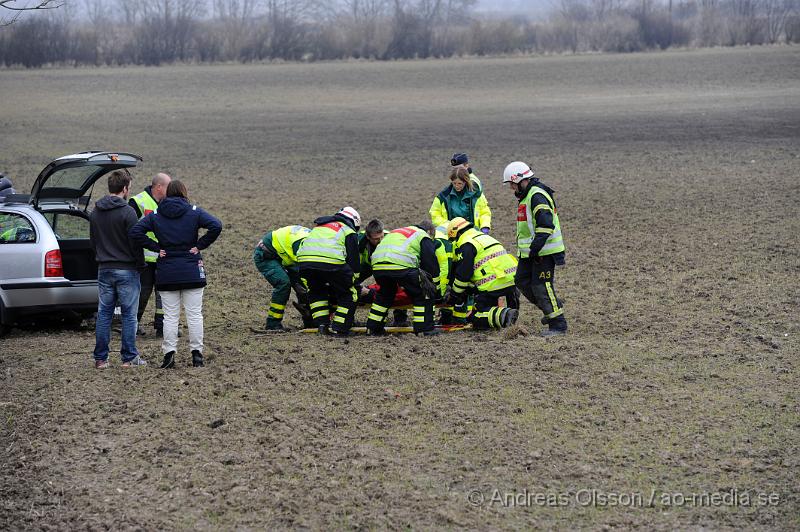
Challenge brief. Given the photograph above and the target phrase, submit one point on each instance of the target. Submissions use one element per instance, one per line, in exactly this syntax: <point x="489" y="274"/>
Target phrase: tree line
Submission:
<point x="154" y="32"/>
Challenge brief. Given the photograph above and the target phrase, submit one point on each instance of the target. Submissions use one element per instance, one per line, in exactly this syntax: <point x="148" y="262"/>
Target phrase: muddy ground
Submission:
<point x="676" y="175"/>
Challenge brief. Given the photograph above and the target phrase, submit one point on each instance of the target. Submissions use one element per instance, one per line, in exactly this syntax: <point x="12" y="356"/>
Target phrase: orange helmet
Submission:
<point x="455" y="226"/>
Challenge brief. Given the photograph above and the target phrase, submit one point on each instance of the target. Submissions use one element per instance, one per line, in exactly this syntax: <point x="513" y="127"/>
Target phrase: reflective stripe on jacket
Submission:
<point x="494" y="267"/>
<point x="399" y="249"/>
<point x="325" y="243"/>
<point x="146" y="205"/>
<point x="284" y="240"/>
<point x="526" y="226"/>
<point x="480" y="216"/>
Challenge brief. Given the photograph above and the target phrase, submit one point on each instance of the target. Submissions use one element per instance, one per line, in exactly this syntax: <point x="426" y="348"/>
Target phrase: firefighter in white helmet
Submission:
<point x="540" y="246"/>
<point x="329" y="266"/>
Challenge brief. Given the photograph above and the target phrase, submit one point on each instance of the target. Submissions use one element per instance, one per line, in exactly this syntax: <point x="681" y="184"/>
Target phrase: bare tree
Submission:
<point x="17" y="7"/>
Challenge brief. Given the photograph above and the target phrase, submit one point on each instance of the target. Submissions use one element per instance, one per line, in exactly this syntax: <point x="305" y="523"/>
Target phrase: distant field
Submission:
<point x="677" y="180"/>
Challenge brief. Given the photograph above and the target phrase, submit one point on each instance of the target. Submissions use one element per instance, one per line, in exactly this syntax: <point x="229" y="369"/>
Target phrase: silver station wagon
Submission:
<point x="47" y="264"/>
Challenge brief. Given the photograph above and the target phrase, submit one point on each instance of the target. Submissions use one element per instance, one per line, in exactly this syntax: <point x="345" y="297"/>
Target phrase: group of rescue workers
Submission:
<point x="450" y="261"/>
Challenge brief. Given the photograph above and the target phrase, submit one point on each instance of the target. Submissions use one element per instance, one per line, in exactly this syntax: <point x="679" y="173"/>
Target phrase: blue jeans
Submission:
<point x="117" y="288"/>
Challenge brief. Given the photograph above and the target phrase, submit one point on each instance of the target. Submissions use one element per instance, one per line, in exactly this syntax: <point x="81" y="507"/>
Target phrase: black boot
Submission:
<point x="556" y="327"/>
<point x="197" y="358"/>
<point x="508" y="317"/>
<point x="169" y="360"/>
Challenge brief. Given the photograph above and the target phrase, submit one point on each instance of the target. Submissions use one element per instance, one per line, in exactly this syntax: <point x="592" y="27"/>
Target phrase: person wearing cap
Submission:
<point x="275" y="257"/>
<point x="483" y="266"/>
<point x="540" y="245"/>
<point x="329" y="266"/>
<point x="463" y="197"/>
<point x="406" y="258"/>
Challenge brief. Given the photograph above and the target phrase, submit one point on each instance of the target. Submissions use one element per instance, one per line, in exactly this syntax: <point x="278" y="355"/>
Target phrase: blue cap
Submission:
<point x="459" y="158"/>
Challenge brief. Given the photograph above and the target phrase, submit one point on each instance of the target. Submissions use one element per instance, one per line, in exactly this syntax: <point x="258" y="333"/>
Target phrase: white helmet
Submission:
<point x="349" y="212"/>
<point x="516" y="172"/>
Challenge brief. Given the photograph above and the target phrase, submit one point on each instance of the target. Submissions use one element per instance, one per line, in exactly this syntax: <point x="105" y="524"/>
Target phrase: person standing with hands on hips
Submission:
<point x="180" y="272"/>
<point x="540" y="245"/>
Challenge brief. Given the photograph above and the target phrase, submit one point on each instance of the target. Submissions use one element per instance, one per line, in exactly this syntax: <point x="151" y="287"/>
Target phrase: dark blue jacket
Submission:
<point x="176" y="225"/>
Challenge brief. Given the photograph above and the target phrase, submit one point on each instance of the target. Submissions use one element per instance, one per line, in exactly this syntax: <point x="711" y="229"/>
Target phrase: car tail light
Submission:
<point x="52" y="264"/>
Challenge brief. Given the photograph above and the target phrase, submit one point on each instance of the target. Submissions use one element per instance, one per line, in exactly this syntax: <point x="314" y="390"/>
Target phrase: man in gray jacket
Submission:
<point x="119" y="262"/>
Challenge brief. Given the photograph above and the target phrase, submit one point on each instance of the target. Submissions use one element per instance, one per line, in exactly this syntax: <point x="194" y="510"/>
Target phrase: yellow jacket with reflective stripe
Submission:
<point x="325" y="243"/>
<point x="399" y="249"/>
<point x="147" y="205"/>
<point x="494" y="267"/>
<point x="481" y="214"/>
<point x="284" y="239"/>
<point x="526" y="226"/>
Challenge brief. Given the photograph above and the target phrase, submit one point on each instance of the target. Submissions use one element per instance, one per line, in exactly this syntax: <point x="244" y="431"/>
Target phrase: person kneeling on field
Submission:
<point x="483" y="263"/>
<point x="275" y="257"/>
<point x="406" y="257"/>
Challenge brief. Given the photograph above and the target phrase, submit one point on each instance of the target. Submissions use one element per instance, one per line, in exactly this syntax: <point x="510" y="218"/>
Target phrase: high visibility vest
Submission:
<point x="284" y="239"/>
<point x="494" y="267"/>
<point x="147" y="205"/>
<point x="444" y="256"/>
<point x="365" y="255"/>
<point x="325" y="243"/>
<point x="399" y="249"/>
<point x="526" y="226"/>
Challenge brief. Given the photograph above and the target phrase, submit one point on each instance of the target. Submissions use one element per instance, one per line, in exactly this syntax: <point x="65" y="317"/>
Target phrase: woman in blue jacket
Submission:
<point x="180" y="273"/>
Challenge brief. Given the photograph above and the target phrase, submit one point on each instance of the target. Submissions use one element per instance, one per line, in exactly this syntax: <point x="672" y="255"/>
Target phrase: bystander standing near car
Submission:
<point x="144" y="203"/>
<point x="180" y="271"/>
<point x="118" y="264"/>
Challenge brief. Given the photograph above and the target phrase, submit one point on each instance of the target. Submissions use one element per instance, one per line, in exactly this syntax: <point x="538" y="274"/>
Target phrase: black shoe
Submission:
<point x="140" y="332"/>
<point x="432" y="332"/>
<point x="338" y="334"/>
<point x="509" y="317"/>
<point x="557" y="327"/>
<point x="169" y="360"/>
<point x="197" y="358"/>
<point x="159" y="332"/>
<point x="377" y="332"/>
<point x="276" y="328"/>
<point x="324" y="329"/>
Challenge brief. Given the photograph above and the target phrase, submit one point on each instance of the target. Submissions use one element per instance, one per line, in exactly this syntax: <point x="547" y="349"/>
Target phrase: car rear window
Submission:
<point x="73" y="178"/>
<point x="15" y="229"/>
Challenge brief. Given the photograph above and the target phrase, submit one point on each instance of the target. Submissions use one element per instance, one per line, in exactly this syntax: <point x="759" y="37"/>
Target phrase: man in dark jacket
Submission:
<point x="118" y="265"/>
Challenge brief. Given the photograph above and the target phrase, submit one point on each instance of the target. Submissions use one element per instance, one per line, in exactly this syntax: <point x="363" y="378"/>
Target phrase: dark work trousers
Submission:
<point x="389" y="280"/>
<point x="535" y="278"/>
<point x="148" y="280"/>
<point x="335" y="282"/>
<point x="487" y="312"/>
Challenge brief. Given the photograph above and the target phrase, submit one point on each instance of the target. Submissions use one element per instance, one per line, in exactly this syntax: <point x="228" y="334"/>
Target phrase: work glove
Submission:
<point x="485" y="230"/>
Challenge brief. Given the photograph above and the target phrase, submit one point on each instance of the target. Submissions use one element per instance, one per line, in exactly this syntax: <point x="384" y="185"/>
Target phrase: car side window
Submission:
<point x="67" y="226"/>
<point x="15" y="229"/>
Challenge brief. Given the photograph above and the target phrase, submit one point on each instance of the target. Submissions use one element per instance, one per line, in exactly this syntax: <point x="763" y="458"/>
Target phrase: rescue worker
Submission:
<point x="448" y="315"/>
<point x="540" y="246"/>
<point x="368" y="240"/>
<point x="406" y="257"/>
<point x="329" y="266"/>
<point x="143" y="204"/>
<point x="482" y="264"/>
<point x="463" y="197"/>
<point x="275" y="257"/>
